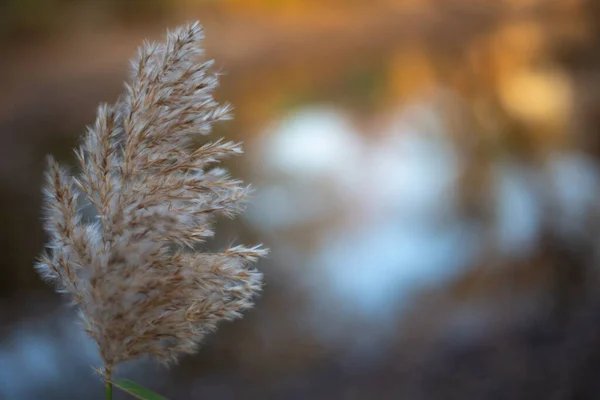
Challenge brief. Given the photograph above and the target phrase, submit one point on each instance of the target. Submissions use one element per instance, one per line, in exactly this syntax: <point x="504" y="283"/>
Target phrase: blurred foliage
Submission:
<point x="24" y="18"/>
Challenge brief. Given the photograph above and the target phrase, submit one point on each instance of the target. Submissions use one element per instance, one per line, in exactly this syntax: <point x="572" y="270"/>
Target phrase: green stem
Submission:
<point x="108" y="384"/>
<point x="108" y="391"/>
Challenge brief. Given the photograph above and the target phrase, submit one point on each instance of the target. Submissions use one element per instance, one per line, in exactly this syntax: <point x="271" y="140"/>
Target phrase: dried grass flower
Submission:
<point x="132" y="272"/>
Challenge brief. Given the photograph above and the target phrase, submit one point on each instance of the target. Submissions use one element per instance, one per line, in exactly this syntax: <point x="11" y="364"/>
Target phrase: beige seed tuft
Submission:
<point x="139" y="286"/>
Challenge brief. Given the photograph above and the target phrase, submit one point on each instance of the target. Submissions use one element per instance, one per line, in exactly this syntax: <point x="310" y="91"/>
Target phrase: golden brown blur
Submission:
<point x="427" y="177"/>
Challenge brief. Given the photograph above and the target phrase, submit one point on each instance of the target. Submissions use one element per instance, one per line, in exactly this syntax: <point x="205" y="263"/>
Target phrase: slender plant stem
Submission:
<point x="108" y="383"/>
<point x="108" y="390"/>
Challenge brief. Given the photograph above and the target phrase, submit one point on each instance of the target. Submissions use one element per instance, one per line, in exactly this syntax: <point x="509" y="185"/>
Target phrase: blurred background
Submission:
<point x="427" y="177"/>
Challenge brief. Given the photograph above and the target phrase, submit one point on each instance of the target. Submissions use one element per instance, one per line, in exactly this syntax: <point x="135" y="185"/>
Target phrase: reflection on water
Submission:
<point x="382" y="207"/>
<point x="380" y="212"/>
<point x="301" y="160"/>
<point x="36" y="356"/>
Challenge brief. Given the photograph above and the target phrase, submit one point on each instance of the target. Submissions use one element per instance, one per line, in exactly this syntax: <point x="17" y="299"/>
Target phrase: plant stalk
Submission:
<point x="108" y="383"/>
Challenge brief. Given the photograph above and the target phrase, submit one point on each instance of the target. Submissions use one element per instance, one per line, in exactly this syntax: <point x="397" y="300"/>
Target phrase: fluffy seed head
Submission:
<point x="140" y="287"/>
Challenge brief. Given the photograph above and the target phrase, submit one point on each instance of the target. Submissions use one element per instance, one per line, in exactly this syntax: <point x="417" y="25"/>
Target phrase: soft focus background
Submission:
<point x="427" y="176"/>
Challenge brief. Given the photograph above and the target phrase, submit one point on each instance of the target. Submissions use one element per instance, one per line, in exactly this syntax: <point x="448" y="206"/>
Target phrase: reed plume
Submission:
<point x="132" y="271"/>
